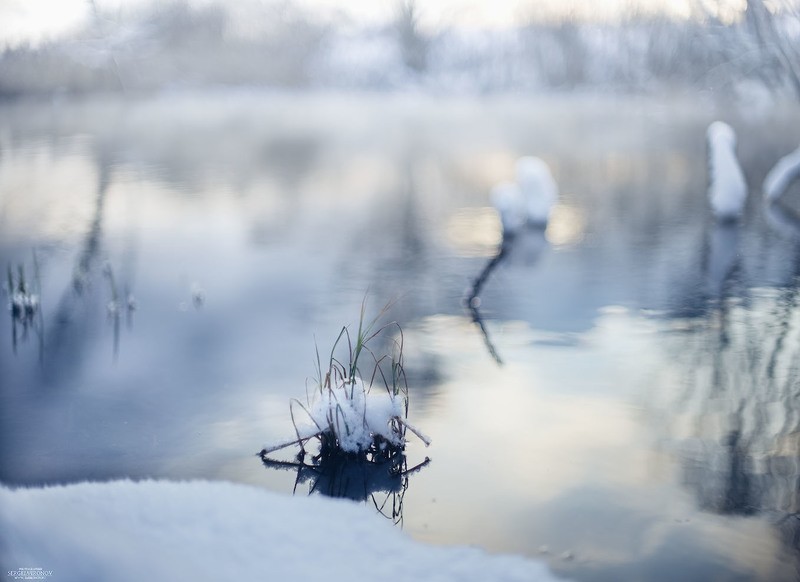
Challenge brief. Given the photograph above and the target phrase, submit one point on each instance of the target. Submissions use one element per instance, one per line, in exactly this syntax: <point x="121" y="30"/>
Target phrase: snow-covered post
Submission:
<point x="727" y="189"/>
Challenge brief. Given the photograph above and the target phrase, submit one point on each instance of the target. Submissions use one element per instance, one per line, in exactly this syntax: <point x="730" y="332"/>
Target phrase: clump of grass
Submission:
<point x="348" y="415"/>
<point x="23" y="302"/>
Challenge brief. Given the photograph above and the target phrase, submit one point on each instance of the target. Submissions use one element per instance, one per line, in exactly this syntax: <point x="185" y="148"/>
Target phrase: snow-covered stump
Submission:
<point x="529" y="200"/>
<point x="524" y="208"/>
<point x="538" y="188"/>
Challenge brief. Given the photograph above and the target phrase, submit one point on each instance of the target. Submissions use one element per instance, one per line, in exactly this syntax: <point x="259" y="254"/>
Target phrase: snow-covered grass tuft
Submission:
<point x="348" y="415"/>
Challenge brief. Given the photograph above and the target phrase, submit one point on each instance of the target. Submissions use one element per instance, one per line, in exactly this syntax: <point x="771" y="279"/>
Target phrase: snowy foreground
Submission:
<point x="163" y="530"/>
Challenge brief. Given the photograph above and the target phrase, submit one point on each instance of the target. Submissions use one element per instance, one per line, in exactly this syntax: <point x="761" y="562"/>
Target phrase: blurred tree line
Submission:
<point x="175" y="44"/>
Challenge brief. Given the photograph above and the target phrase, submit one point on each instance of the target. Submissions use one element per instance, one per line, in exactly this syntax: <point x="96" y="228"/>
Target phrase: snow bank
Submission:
<point x="162" y="530"/>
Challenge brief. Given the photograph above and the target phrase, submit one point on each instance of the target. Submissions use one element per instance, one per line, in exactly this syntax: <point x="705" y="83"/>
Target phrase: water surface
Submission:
<point x="628" y="409"/>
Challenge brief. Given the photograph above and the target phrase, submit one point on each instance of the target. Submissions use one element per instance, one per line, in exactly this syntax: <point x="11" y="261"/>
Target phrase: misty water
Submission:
<point x="627" y="408"/>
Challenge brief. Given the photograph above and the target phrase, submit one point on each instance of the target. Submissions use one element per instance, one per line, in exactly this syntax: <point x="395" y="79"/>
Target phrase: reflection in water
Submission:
<point x="723" y="259"/>
<point x="741" y="400"/>
<point x="117" y="304"/>
<point x="64" y="343"/>
<point x="473" y="302"/>
<point x="739" y="411"/>
<point x="384" y="484"/>
<point x="530" y="243"/>
<point x="91" y="243"/>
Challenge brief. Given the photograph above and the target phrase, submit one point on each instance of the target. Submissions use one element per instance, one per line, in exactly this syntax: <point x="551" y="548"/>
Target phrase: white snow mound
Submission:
<point x="529" y="200"/>
<point x="538" y="188"/>
<point x="161" y="530"/>
<point x="355" y="414"/>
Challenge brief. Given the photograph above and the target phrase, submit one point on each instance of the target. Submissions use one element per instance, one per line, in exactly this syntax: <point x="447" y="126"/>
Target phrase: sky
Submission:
<point x="31" y="21"/>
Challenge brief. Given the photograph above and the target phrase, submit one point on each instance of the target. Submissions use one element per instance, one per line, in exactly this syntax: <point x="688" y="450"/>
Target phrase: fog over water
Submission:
<point x="724" y="50"/>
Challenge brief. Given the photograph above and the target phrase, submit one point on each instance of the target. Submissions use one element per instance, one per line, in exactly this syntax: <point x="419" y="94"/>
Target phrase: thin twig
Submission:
<point x="282" y="445"/>
<point x="425" y="439"/>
